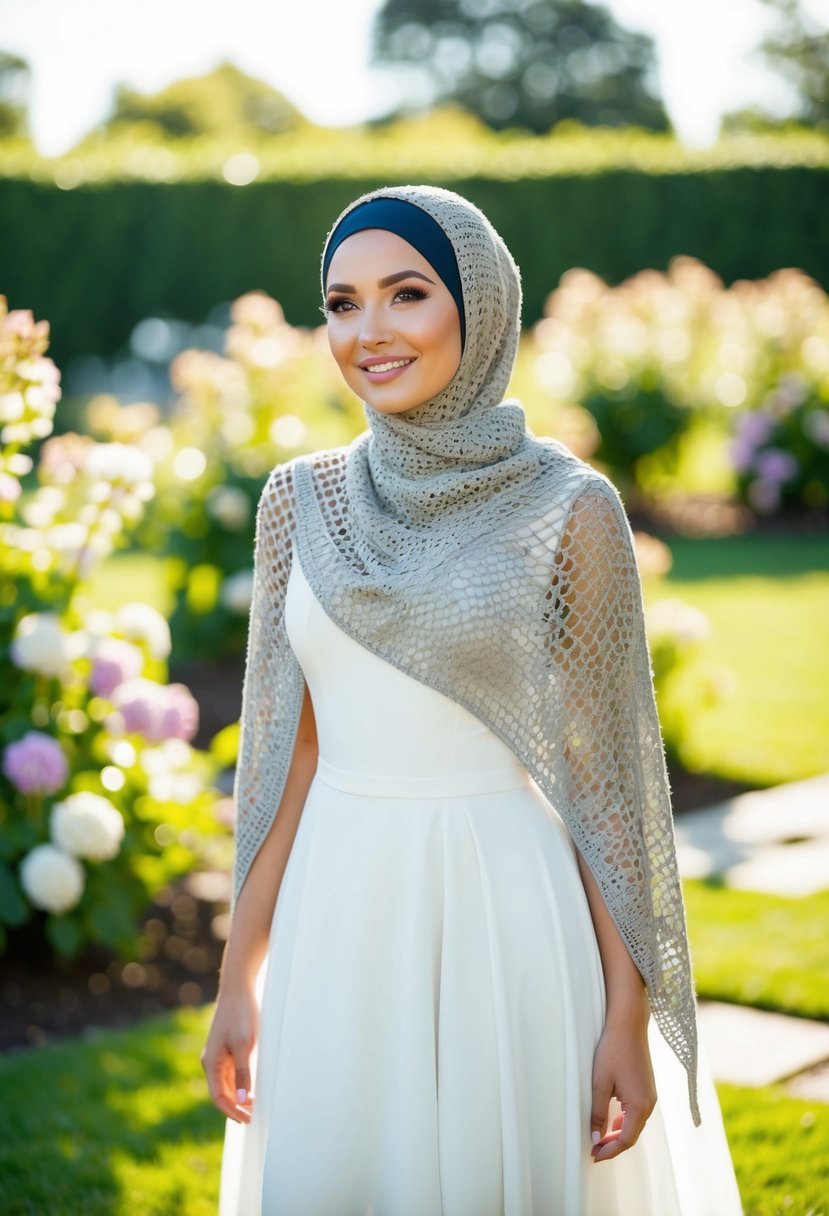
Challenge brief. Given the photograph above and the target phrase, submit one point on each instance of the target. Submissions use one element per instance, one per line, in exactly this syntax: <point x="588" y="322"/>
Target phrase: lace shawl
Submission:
<point x="499" y="569"/>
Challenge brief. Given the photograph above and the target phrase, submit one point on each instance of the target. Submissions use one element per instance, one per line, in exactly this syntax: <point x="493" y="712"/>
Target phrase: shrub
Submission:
<point x="102" y="798"/>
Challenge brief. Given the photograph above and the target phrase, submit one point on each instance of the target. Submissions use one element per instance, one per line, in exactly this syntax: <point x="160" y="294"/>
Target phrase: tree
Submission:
<point x="224" y="100"/>
<point x="798" y="48"/>
<point x="14" y="86"/>
<point x="523" y="63"/>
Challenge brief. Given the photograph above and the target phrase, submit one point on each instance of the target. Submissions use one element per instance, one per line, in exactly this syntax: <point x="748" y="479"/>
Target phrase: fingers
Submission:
<point x="228" y="1081"/>
<point x="626" y="1130"/>
<point x="602" y="1093"/>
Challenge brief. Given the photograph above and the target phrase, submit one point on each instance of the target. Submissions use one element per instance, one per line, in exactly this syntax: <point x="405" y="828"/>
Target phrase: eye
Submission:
<point x="406" y="294"/>
<point x="337" y="304"/>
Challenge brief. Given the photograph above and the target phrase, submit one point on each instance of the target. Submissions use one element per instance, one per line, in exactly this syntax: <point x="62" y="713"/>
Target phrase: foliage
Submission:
<point x="649" y="357"/>
<point x="225" y="101"/>
<point x="102" y="798"/>
<point x="14" y="85"/>
<point x="528" y="64"/>
<point x="176" y="249"/>
<point x="796" y="48"/>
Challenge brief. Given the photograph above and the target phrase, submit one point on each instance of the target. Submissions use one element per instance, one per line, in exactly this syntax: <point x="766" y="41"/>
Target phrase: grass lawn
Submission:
<point x="762" y="950"/>
<point x="117" y="1125"/>
<point x="121" y="1124"/>
<point x="768" y="602"/>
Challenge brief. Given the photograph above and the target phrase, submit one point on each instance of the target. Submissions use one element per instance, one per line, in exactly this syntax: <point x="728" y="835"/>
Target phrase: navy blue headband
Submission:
<point x="413" y="225"/>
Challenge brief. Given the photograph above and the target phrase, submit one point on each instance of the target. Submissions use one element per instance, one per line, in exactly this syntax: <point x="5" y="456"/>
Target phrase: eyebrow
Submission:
<point x="389" y="281"/>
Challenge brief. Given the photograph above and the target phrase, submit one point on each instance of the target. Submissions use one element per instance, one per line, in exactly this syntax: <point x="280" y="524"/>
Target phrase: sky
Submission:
<point x="317" y="53"/>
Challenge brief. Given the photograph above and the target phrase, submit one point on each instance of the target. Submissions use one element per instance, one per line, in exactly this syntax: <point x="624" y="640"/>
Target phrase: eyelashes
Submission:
<point x="335" y="304"/>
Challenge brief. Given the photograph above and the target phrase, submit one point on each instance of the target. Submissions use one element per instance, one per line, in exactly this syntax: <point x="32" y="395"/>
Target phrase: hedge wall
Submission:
<point x="96" y="259"/>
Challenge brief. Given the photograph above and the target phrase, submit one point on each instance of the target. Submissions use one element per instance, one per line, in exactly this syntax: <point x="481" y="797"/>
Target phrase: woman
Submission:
<point x="456" y="901"/>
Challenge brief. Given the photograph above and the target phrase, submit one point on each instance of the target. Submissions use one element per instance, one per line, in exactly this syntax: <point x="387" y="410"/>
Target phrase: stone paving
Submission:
<point x="774" y="841"/>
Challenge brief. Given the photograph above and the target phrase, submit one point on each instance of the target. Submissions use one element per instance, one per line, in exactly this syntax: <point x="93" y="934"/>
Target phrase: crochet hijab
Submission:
<point x="497" y="568"/>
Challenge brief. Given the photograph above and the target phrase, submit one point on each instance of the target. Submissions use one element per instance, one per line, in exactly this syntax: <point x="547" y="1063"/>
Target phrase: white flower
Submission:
<point x="52" y="879"/>
<point x="12" y="407"/>
<point x="118" y="462"/>
<point x="41" y="644"/>
<point x="230" y="506"/>
<point x="141" y="623"/>
<point x="236" y="592"/>
<point x="167" y="756"/>
<point x="677" y="620"/>
<point x="174" y="787"/>
<point x="87" y="825"/>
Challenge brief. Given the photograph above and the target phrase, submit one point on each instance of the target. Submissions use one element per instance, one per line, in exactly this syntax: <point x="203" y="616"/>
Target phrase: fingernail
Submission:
<point x="241" y="1094"/>
<point x="595" y="1137"/>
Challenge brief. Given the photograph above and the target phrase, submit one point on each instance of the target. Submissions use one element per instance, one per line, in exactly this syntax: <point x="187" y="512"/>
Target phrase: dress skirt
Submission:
<point x="432" y="994"/>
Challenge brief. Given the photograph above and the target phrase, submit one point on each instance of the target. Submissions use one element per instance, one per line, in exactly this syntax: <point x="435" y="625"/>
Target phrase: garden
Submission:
<point x="125" y="588"/>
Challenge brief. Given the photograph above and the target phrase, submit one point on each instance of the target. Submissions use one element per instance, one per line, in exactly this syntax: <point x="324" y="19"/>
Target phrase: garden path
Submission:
<point x="774" y="841"/>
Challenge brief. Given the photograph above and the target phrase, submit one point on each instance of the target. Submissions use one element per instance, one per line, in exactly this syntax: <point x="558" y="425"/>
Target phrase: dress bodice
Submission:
<point x="376" y="720"/>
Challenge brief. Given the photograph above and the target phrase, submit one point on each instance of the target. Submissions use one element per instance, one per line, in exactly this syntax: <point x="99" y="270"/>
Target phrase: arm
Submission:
<point x="233" y="1032"/>
<point x="622" y="1064"/>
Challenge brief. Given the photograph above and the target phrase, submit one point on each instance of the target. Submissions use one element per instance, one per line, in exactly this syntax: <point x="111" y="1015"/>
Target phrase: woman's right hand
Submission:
<point x="226" y="1055"/>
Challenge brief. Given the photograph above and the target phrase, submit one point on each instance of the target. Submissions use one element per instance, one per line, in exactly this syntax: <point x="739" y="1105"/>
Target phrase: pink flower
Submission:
<point x="137" y="702"/>
<point x="180" y="716"/>
<point x="156" y="711"/>
<point x="36" y="764"/>
<point x="114" y="662"/>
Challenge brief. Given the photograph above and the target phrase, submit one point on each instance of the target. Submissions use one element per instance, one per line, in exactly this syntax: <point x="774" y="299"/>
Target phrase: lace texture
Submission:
<point x="498" y="569"/>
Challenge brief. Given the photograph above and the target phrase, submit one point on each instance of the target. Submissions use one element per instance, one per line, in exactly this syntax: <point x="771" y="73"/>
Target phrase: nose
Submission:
<point x="374" y="326"/>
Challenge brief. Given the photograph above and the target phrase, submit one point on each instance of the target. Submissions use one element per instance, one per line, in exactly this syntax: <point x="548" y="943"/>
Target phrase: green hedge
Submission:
<point x="97" y="258"/>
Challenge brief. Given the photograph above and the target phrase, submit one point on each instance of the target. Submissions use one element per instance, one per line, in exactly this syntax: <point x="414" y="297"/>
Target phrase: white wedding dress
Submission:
<point x="432" y="994"/>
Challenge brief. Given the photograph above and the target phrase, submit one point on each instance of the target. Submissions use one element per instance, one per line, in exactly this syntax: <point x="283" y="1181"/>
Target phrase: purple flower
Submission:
<point x="742" y="454"/>
<point x="114" y="662"/>
<point x="754" y="427"/>
<point x="36" y="764"/>
<point x="775" y="465"/>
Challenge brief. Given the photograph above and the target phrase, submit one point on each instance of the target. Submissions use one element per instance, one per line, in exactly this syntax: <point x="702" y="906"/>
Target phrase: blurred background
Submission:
<point x="168" y="172"/>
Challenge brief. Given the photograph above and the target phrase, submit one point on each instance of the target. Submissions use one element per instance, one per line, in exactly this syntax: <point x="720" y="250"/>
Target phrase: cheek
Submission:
<point x="440" y="337"/>
<point x="339" y="343"/>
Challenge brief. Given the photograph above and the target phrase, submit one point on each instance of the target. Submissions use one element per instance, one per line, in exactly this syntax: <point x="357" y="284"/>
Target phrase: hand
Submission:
<point x="621" y="1069"/>
<point x="226" y="1055"/>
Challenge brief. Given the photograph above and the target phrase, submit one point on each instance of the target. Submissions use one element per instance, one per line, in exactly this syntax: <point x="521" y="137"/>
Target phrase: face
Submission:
<point x="393" y="325"/>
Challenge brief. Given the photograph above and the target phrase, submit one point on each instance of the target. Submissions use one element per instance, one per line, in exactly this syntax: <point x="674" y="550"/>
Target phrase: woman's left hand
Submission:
<point x="621" y="1069"/>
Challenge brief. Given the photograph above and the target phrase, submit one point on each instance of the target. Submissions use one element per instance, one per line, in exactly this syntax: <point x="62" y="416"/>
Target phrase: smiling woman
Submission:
<point x="397" y="343"/>
<point x="456" y="900"/>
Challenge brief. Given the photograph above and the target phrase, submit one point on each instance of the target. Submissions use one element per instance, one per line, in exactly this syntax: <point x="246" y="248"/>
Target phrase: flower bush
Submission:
<point x="664" y="353"/>
<point x="780" y="444"/>
<point x="103" y="799"/>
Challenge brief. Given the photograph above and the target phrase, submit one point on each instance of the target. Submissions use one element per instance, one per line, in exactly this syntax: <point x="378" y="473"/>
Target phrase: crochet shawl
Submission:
<point x="499" y="569"/>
